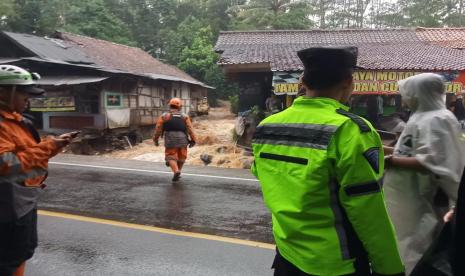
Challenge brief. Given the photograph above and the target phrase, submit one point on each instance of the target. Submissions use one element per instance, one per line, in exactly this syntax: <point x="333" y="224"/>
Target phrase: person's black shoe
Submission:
<point x="176" y="176"/>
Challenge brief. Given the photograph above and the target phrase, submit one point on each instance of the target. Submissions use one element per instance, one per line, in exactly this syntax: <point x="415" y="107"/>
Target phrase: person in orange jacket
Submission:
<point x="23" y="168"/>
<point x="176" y="127"/>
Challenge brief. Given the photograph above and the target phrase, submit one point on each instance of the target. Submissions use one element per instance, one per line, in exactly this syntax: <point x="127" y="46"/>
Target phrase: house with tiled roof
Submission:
<point x="121" y="57"/>
<point x="266" y="62"/>
<point x="97" y="84"/>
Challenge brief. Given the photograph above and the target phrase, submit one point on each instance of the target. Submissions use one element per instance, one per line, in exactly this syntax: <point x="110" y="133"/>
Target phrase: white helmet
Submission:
<point x="14" y="75"/>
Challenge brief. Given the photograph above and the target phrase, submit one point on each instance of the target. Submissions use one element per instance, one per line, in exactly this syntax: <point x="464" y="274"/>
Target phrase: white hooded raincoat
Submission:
<point x="433" y="136"/>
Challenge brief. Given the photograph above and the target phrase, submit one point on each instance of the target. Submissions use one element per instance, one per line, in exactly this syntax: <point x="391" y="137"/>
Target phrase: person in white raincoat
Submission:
<point x="428" y="155"/>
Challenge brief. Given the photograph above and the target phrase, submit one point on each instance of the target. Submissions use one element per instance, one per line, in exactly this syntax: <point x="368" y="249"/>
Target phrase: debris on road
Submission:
<point x="214" y="138"/>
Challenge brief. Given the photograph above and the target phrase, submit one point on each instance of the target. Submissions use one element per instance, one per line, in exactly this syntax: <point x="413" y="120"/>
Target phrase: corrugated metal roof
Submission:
<point x="106" y="70"/>
<point x="49" y="48"/>
<point x="78" y="50"/>
<point x="165" y="77"/>
<point x="8" y="60"/>
<point x="69" y="80"/>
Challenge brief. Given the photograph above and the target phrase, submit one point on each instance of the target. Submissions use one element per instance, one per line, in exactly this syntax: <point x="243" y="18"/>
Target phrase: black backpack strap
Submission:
<point x="30" y="126"/>
<point x="364" y="127"/>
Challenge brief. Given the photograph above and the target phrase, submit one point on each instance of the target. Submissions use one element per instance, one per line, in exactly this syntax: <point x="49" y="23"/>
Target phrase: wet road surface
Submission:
<point x="224" y="202"/>
<point x="74" y="247"/>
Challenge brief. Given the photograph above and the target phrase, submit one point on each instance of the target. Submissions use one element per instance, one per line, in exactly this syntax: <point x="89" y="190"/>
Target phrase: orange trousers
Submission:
<point x="177" y="154"/>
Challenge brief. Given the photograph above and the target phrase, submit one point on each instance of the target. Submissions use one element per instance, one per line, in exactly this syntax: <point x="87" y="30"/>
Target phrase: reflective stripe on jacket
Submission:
<point x="320" y="169"/>
<point x="23" y="163"/>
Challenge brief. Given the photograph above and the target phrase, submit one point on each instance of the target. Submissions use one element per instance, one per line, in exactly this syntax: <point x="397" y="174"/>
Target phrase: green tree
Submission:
<point x="271" y="14"/>
<point x="424" y="13"/>
<point x="217" y="16"/>
<point x="7" y="12"/>
<point x="320" y="9"/>
<point x="93" y="18"/>
<point x="387" y="15"/>
<point x="199" y="60"/>
<point x="174" y="41"/>
<point x="199" y="57"/>
<point x="193" y="15"/>
<point x="28" y="16"/>
<point x="454" y="13"/>
<point x="149" y="18"/>
<point x="43" y="17"/>
<point x="215" y="77"/>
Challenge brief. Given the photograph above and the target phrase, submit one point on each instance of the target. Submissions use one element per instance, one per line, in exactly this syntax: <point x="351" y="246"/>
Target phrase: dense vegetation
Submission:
<point x="183" y="32"/>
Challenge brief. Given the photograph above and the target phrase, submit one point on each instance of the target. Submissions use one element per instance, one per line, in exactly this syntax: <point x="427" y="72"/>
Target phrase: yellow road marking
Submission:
<point x="157" y="229"/>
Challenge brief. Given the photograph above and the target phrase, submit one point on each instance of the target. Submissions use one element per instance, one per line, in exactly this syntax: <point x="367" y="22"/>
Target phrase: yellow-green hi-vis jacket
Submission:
<point x="320" y="169"/>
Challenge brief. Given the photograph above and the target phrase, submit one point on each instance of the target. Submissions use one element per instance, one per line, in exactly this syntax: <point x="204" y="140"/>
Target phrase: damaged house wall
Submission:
<point x="99" y="87"/>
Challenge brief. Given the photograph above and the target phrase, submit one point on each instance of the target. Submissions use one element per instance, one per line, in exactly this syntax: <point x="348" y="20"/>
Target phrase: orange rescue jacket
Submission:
<point x="23" y="159"/>
<point x="165" y="117"/>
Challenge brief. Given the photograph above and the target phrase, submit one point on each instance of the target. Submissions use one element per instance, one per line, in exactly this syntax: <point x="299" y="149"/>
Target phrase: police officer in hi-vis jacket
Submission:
<point x="320" y="169"/>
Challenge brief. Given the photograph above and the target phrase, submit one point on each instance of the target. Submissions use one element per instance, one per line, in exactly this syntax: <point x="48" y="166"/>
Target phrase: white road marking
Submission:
<point x="151" y="171"/>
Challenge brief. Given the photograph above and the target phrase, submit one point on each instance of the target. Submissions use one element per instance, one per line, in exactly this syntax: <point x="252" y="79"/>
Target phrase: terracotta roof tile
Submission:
<point x="445" y="37"/>
<point x="116" y="56"/>
<point x="395" y="49"/>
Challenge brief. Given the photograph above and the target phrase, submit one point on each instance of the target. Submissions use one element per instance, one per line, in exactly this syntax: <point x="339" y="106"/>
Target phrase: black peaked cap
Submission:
<point x="329" y="58"/>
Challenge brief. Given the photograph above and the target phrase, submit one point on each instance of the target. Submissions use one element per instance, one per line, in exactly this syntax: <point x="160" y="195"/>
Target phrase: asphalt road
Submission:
<point x="73" y="247"/>
<point x="224" y="202"/>
<point x="164" y="219"/>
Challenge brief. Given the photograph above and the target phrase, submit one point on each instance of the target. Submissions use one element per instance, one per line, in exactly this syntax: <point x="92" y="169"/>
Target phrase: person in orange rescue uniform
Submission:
<point x="176" y="127"/>
<point x="23" y="168"/>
